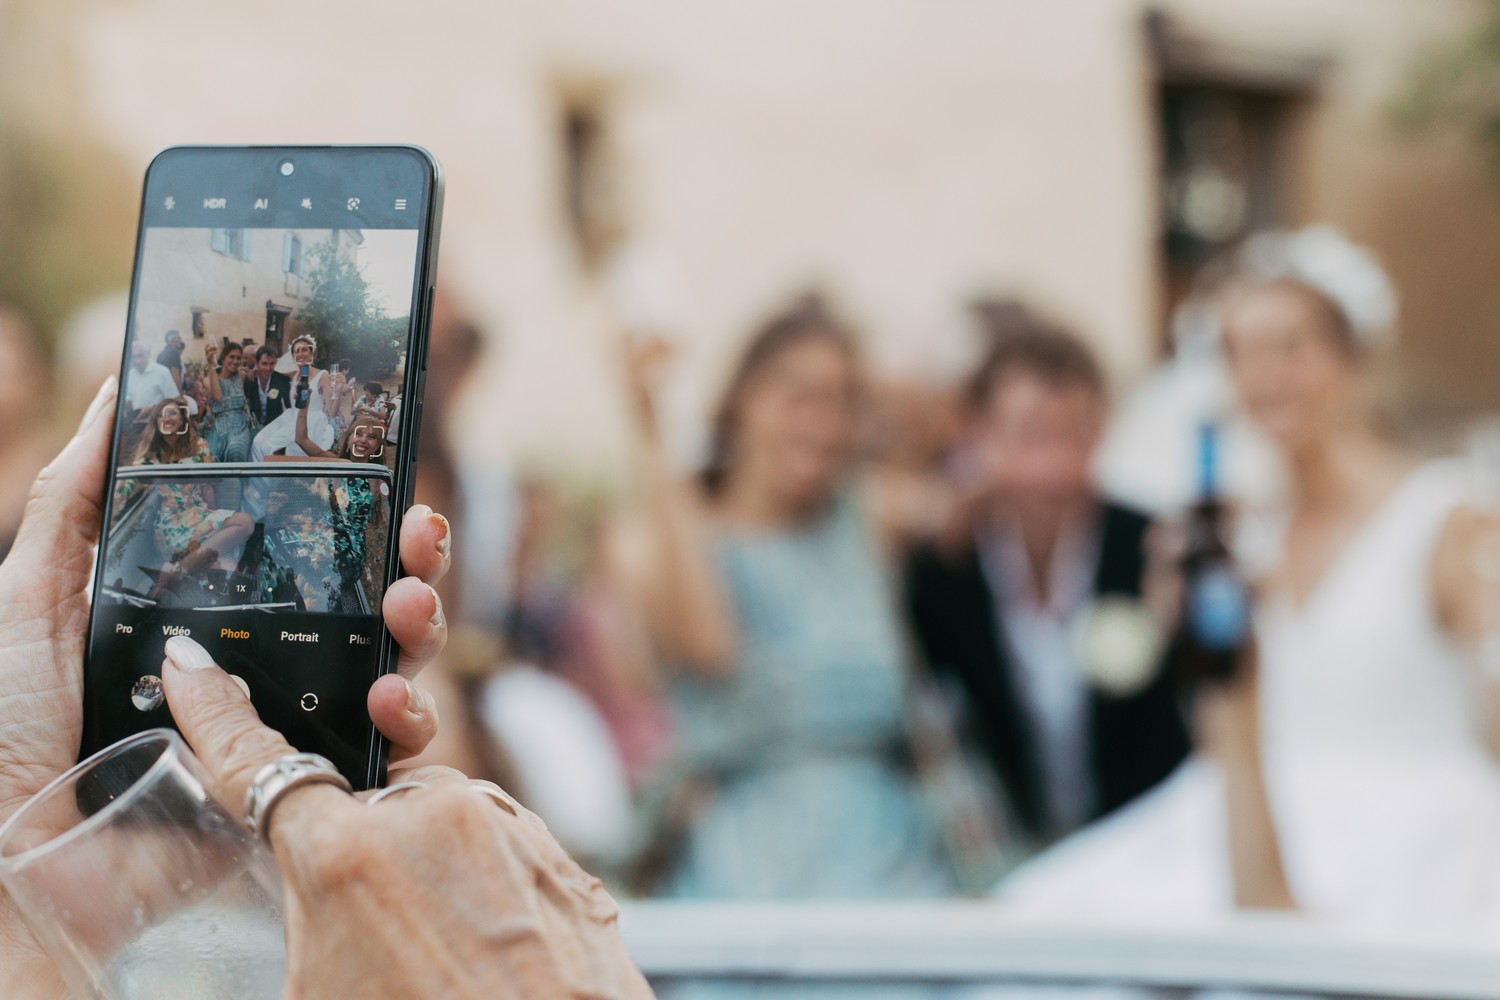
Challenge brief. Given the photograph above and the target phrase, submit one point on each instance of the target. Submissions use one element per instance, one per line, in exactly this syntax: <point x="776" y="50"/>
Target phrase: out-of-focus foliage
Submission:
<point x="67" y="201"/>
<point x="66" y="211"/>
<point x="1457" y="85"/>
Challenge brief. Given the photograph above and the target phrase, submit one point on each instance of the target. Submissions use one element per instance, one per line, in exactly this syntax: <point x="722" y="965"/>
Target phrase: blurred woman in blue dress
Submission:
<point x="766" y="586"/>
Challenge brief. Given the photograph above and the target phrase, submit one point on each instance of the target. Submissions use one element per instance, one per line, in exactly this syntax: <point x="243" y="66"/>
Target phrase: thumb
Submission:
<point x="63" y="513"/>
<point x="216" y="718"/>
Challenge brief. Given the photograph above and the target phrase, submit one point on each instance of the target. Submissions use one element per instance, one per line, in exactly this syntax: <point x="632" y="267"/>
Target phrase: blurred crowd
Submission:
<point x="890" y="642"/>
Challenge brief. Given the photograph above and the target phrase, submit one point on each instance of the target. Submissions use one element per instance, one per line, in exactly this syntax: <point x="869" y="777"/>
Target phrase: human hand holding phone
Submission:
<point x="451" y="863"/>
<point x="44" y="608"/>
<point x="281" y="570"/>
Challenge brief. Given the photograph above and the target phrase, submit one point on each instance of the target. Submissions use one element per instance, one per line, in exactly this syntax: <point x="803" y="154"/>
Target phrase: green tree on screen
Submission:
<point x="342" y="315"/>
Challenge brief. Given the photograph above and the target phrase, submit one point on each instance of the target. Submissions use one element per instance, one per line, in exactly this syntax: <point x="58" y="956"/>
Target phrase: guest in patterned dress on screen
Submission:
<point x="192" y="531"/>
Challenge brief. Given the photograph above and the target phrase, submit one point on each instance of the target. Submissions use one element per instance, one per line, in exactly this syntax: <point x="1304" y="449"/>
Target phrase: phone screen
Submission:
<point x="253" y="503"/>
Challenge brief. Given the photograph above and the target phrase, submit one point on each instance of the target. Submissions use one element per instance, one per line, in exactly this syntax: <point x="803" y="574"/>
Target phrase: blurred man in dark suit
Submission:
<point x="266" y="390"/>
<point x="1004" y="606"/>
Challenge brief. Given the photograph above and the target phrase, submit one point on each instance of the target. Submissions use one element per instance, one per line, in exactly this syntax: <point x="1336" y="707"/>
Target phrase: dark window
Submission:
<point x="1226" y="117"/>
<point x="589" y="186"/>
<point x="292" y="261"/>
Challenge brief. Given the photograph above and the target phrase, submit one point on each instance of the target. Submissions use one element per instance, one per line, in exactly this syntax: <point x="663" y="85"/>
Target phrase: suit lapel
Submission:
<point x="1121" y="565"/>
<point x="993" y="684"/>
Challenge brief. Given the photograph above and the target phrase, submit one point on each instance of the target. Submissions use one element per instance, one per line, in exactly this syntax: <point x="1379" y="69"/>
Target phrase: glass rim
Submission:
<point x="172" y="743"/>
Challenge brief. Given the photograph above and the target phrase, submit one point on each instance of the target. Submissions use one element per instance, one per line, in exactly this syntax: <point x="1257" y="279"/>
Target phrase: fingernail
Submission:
<point x="101" y="400"/>
<point x="240" y="682"/>
<point x="186" y="654"/>
<point x="445" y="533"/>
<point x="436" y="621"/>
<point x="416" y="702"/>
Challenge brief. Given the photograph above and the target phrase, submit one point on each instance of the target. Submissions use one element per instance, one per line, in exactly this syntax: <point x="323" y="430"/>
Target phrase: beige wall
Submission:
<point x="234" y="292"/>
<point x="184" y="274"/>
<point x="902" y="153"/>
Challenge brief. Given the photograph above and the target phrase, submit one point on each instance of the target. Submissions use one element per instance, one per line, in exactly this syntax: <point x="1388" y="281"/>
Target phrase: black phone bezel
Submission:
<point x="234" y="161"/>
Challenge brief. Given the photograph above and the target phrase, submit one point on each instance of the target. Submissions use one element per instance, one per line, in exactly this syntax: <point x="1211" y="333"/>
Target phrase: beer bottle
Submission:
<point x="1215" y="624"/>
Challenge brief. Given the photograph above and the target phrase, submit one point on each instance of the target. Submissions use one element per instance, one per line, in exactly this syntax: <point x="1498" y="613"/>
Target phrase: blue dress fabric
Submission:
<point x="802" y="744"/>
<point x="229" y="437"/>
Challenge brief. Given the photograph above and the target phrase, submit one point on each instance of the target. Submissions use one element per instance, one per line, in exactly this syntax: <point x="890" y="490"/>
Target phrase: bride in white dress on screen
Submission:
<point x="1351" y="776"/>
<point x="280" y="435"/>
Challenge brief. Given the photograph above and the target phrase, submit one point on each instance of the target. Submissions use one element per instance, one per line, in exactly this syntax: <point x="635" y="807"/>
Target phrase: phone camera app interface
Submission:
<point x="252" y="503"/>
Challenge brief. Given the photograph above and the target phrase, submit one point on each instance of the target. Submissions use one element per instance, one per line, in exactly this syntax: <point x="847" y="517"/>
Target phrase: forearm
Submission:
<point x="1464" y="581"/>
<point x="686" y="609"/>
<point x="333" y="395"/>
<point x="304" y="441"/>
<point x="1232" y="735"/>
<point x="1260" y="880"/>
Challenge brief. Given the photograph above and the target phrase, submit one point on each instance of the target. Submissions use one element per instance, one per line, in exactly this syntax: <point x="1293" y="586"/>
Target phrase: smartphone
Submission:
<point x="255" y="519"/>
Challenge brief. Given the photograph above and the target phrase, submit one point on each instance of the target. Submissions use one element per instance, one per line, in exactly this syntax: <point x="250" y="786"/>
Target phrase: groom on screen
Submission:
<point x="266" y="390"/>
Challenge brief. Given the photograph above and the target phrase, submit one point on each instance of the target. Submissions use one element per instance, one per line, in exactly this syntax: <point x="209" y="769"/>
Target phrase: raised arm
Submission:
<point x="1465" y="586"/>
<point x="305" y="441"/>
<point x="214" y="391"/>
<point x="1229" y="722"/>
<point x="333" y="392"/>
<point x="668" y="557"/>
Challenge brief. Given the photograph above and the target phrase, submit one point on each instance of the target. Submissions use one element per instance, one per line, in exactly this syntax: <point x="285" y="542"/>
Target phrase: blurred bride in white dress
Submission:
<point x="1350" y="773"/>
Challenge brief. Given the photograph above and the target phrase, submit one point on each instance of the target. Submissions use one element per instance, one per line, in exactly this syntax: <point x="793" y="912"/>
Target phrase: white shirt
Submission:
<point x="149" y="387"/>
<point x="1049" y="681"/>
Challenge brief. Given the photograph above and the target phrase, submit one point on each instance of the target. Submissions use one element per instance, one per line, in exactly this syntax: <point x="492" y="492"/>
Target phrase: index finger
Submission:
<point x="219" y="723"/>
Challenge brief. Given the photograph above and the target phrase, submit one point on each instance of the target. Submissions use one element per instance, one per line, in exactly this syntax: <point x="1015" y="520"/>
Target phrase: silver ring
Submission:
<point x="503" y="800"/>
<point x="272" y="782"/>
<point x="396" y="789"/>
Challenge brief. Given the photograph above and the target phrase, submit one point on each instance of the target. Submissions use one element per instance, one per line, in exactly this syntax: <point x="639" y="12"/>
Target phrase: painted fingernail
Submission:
<point x="186" y="654"/>
<point x="102" y="398"/>
<point x="445" y="533"/>
<point x="436" y="621"/>
<point x="240" y="683"/>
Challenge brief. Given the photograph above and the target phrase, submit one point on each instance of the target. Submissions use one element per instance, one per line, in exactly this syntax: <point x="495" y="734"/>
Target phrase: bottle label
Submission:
<point x="1218" y="609"/>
